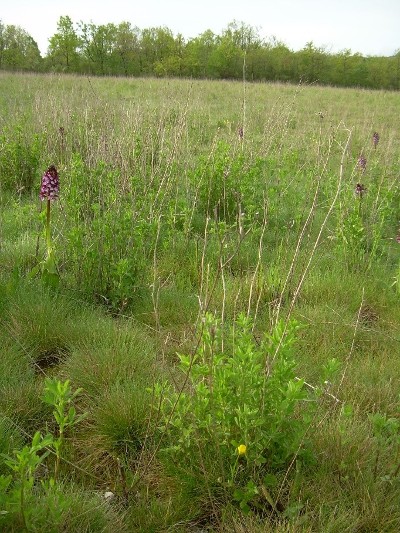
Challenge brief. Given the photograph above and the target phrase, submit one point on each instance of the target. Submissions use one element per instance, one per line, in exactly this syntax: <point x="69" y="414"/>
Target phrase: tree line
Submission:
<point x="125" y="50"/>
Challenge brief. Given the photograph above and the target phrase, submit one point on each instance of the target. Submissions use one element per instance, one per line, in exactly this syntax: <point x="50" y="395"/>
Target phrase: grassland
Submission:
<point x="172" y="226"/>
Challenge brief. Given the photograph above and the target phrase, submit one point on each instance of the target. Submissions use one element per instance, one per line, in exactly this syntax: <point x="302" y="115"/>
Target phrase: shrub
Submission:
<point x="245" y="415"/>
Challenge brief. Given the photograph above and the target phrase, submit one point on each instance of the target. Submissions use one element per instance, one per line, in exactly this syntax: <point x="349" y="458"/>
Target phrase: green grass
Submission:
<point x="164" y="214"/>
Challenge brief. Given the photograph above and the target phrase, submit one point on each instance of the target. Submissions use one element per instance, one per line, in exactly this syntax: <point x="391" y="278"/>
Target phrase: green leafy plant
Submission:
<point x="24" y="464"/>
<point x="227" y="183"/>
<point x="387" y="433"/>
<point x="19" y="159"/>
<point x="5" y="482"/>
<point x="245" y="495"/>
<point x="59" y="394"/>
<point x="108" y="243"/>
<point x="352" y="235"/>
<point x="245" y="406"/>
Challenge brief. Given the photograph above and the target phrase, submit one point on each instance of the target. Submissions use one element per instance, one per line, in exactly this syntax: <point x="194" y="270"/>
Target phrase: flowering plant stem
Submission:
<point x="48" y="230"/>
<point x="49" y="191"/>
<point x="49" y="269"/>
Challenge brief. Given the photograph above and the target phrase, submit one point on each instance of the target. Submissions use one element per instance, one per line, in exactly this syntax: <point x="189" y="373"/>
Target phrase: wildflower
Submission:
<point x="49" y="190"/>
<point x="360" y="189"/>
<point x="241" y="449"/>
<point x="50" y="185"/>
<point x="362" y="162"/>
<point x="375" y="139"/>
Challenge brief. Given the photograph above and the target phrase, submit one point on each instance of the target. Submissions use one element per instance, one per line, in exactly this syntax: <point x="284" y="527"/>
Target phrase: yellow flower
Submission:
<point x="242" y="449"/>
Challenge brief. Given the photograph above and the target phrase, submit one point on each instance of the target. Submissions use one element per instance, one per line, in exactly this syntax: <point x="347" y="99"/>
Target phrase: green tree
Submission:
<point x="342" y="70"/>
<point x="243" y="36"/>
<point x="172" y="62"/>
<point x="126" y="50"/>
<point x="156" y="46"/>
<point x="237" y="41"/>
<point x="393" y="66"/>
<point x="197" y="54"/>
<point x="2" y="43"/>
<point x="359" y="69"/>
<point x="280" y="62"/>
<point x="63" y="51"/>
<point x="18" y="50"/>
<point x="98" y="44"/>
<point x="312" y="63"/>
<point x="377" y="73"/>
<point x="226" y="60"/>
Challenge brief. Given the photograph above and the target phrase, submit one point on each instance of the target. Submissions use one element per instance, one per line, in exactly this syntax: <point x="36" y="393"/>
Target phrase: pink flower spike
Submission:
<point x="49" y="188"/>
<point x="362" y="163"/>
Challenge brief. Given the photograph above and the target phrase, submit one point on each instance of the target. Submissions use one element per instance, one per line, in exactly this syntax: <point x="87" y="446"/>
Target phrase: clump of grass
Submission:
<point x="42" y="324"/>
<point x="112" y="353"/>
<point x="121" y="418"/>
<point x="20" y="390"/>
<point x="67" y="507"/>
<point x="118" y="436"/>
<point x="87" y="511"/>
<point x="10" y="438"/>
<point x="18" y="256"/>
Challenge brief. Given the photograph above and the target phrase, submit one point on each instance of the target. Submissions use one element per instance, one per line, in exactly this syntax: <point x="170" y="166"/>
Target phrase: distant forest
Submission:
<point x="126" y="50"/>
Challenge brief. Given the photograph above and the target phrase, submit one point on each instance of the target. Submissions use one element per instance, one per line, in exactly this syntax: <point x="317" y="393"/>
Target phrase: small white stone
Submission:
<point x="109" y="496"/>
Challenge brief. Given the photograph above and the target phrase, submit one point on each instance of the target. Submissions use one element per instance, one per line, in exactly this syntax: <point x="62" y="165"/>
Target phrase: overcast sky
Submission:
<point x="371" y="27"/>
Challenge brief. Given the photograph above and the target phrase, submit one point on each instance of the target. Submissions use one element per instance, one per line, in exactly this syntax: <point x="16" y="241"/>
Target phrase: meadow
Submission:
<point x="205" y="333"/>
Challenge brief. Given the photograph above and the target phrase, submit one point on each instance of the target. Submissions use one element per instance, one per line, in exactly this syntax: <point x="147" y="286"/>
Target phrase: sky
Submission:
<point x="370" y="27"/>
